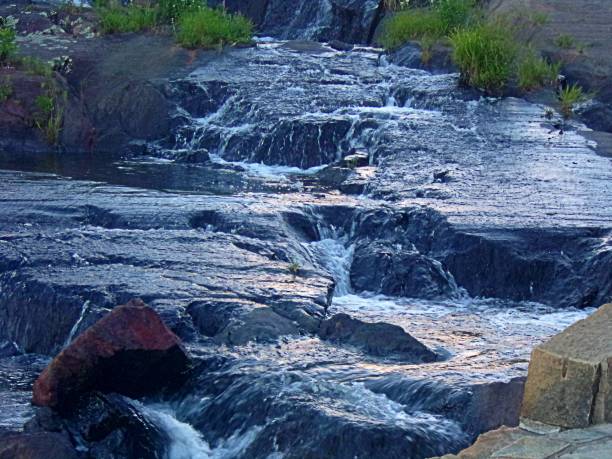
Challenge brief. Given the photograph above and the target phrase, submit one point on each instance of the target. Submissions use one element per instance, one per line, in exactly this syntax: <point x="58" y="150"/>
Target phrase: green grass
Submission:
<point x="439" y="21"/>
<point x="535" y="72"/>
<point x="569" y="97"/>
<point x="126" y="19"/>
<point x="8" y="46"/>
<point x="210" y="27"/>
<point x="486" y="56"/>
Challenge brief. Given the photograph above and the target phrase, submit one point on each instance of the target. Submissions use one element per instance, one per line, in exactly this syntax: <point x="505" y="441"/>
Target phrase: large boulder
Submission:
<point x="569" y="383"/>
<point x="130" y="351"/>
<point x="378" y="339"/>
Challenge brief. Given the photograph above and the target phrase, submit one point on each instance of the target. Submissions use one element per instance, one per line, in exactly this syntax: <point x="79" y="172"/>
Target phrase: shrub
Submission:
<point x="569" y="97"/>
<point x="126" y="19"/>
<point x="8" y="47"/>
<point x="534" y="71"/>
<point x="209" y="27"/>
<point x="485" y="55"/>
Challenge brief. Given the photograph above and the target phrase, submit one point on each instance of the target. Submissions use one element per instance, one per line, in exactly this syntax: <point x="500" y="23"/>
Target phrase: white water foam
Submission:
<point x="187" y="443"/>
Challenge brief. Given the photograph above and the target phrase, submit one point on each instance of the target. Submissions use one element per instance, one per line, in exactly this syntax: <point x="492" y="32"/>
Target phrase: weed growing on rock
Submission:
<point x="569" y="97"/>
<point x="210" y="27"/>
<point x="50" y="117"/>
<point x="294" y="268"/>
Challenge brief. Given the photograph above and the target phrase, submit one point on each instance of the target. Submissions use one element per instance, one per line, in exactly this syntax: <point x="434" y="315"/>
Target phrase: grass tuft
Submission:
<point x="535" y="72"/>
<point x="485" y="55"/>
<point x="210" y="27"/>
<point x="569" y="97"/>
<point x="565" y="41"/>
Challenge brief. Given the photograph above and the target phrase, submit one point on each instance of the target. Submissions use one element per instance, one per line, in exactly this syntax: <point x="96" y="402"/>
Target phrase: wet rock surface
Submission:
<point x="224" y="190"/>
<point x="378" y="339"/>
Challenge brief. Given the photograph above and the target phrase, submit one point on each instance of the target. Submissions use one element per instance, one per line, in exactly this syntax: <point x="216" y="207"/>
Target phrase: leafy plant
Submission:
<point x="8" y="46"/>
<point x="569" y="97"/>
<point x="210" y="27"/>
<point x="534" y="71"/>
<point x="485" y="55"/>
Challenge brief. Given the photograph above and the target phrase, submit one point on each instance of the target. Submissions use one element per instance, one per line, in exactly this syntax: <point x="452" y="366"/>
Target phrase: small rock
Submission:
<point x="442" y="176"/>
<point x="378" y="339"/>
<point x="340" y="45"/>
<point x="357" y="159"/>
<point x="129" y="351"/>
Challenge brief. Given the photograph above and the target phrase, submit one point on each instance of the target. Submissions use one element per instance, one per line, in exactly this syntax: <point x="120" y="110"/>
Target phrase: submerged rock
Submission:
<point x="378" y="339"/>
<point x="129" y="351"/>
<point x="569" y="382"/>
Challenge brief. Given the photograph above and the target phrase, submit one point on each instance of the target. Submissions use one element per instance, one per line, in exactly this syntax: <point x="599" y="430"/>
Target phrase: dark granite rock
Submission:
<point x="378" y="339"/>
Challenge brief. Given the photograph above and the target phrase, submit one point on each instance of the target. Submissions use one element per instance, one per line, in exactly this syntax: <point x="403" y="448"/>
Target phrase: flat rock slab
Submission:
<point x="594" y="442"/>
<point x="569" y="381"/>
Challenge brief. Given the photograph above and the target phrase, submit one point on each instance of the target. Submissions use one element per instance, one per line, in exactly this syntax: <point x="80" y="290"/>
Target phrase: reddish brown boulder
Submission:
<point x="130" y="351"/>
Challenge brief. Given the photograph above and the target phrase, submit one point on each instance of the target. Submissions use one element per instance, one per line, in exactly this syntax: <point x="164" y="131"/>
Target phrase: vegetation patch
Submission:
<point x="50" y="116"/>
<point x="126" y="19"/>
<point x="438" y="21"/>
<point x="195" y="25"/>
<point x="485" y="54"/>
<point x="209" y="27"/>
<point x="534" y="71"/>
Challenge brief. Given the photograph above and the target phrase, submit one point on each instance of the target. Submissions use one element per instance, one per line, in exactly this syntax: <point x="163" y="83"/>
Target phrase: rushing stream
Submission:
<point x="477" y="228"/>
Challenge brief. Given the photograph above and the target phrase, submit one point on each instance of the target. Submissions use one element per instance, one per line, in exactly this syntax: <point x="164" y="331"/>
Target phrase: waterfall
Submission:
<point x="76" y="325"/>
<point x="336" y="256"/>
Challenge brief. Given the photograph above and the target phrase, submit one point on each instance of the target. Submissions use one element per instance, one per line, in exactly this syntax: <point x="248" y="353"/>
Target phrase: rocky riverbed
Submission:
<point x="254" y="198"/>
